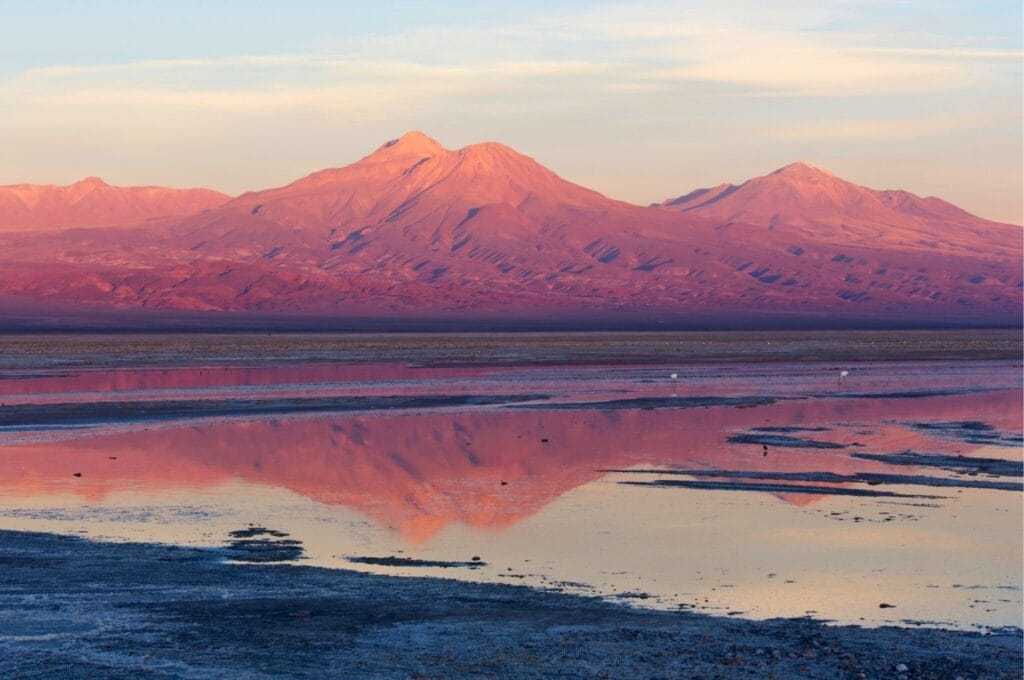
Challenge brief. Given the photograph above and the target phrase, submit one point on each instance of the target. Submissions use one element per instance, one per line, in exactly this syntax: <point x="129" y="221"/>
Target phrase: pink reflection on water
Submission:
<point x="418" y="473"/>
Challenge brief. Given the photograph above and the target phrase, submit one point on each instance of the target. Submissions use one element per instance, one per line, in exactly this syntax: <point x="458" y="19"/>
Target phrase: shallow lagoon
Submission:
<point x="749" y="488"/>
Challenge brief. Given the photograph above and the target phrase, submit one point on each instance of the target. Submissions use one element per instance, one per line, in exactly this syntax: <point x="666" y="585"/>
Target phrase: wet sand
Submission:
<point x="75" y="608"/>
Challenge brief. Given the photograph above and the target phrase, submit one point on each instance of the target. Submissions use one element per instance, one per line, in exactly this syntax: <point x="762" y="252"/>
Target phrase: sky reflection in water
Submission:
<point x="529" y="492"/>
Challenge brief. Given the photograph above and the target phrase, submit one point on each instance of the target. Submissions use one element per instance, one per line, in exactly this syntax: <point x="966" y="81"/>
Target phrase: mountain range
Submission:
<point x="91" y="202"/>
<point x="484" y="234"/>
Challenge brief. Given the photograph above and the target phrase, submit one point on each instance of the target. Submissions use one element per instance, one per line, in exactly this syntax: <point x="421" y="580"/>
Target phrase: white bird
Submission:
<point x="674" y="376"/>
<point x="842" y="375"/>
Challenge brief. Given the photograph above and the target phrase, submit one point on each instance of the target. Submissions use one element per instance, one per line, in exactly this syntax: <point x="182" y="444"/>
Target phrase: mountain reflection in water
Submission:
<point x="768" y="489"/>
<point x="419" y="472"/>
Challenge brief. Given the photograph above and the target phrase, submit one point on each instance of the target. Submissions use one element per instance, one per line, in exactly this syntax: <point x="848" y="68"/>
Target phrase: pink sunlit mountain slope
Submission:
<point x="91" y="202"/>
<point x="804" y="200"/>
<point x="416" y="231"/>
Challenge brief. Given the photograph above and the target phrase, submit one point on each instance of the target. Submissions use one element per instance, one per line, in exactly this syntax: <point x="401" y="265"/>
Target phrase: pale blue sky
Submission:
<point x="640" y="100"/>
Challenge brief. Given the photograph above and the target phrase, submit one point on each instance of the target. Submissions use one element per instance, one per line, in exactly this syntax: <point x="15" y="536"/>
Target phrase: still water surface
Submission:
<point x="744" y="488"/>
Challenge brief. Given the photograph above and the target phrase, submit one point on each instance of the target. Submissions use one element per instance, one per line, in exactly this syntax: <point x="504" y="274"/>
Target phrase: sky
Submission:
<point x="639" y="100"/>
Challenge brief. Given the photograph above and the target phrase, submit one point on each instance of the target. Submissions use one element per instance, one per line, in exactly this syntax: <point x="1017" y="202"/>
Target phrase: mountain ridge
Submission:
<point x="417" y="230"/>
<point x="802" y="195"/>
<point x="92" y="202"/>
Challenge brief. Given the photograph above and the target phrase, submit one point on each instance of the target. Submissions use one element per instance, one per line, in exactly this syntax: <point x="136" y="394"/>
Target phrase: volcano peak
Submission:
<point x="413" y="142"/>
<point x="90" y="182"/>
<point x="802" y="170"/>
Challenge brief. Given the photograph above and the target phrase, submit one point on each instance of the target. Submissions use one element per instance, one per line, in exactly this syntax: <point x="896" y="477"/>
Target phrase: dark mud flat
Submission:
<point x="772" y="487"/>
<point x="972" y="432"/>
<point x="782" y="440"/>
<point x="259" y="544"/>
<point x="999" y="467"/>
<point x="396" y="561"/>
<point x="60" y="350"/>
<point x="869" y="478"/>
<point x="651" y="403"/>
<point x="71" y="608"/>
<point x="106" y="412"/>
<point x="902" y="394"/>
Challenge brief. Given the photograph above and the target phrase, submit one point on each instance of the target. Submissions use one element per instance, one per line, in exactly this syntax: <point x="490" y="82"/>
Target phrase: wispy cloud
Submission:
<point x="65" y="71"/>
<point x="877" y="129"/>
<point x="782" y="50"/>
<point x="812" y="70"/>
<point x="269" y="83"/>
<point x="316" y="62"/>
<point x="793" y="48"/>
<point x="946" y="53"/>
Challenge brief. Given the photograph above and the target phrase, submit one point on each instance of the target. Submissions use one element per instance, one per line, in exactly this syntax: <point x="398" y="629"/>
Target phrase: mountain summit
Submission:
<point x="413" y="143"/>
<point x="485" y="233"/>
<point x="415" y="179"/>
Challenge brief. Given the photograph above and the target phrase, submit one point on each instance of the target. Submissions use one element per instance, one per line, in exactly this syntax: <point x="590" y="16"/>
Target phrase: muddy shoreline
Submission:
<point x="78" y="608"/>
<point x="22" y="352"/>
